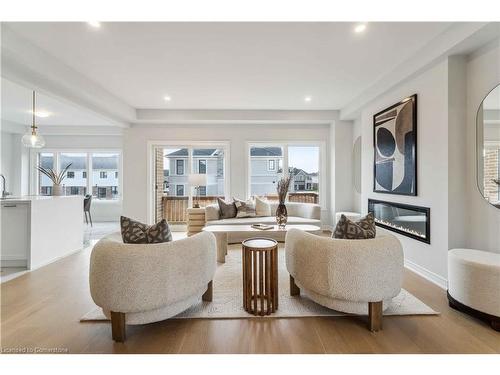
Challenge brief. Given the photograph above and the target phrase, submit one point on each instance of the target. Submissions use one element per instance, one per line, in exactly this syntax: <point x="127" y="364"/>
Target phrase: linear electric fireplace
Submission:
<point x="411" y="221"/>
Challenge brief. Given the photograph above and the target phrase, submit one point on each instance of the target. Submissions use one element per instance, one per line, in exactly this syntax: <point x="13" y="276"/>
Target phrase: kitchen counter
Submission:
<point x="38" y="230"/>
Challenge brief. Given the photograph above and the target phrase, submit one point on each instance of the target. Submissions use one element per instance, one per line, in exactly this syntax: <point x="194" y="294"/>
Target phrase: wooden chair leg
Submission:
<point x="375" y="316"/>
<point x="86" y="220"/>
<point x="118" y="328"/>
<point x="294" y="289"/>
<point x="208" y="295"/>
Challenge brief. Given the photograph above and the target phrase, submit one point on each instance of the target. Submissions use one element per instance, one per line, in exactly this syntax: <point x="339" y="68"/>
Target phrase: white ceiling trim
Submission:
<point x="166" y="116"/>
<point x="58" y="80"/>
<point x="458" y="39"/>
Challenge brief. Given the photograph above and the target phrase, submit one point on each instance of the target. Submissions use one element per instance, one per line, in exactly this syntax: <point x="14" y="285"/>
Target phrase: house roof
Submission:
<point x="196" y="152"/>
<point x="80" y="162"/>
<point x="266" y="151"/>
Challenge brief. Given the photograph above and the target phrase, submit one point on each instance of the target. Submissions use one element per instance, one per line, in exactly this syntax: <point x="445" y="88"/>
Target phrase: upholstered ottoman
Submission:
<point x="474" y="284"/>
<point x="353" y="216"/>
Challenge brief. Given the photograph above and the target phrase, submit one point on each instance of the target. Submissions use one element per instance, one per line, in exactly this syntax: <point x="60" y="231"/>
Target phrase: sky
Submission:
<point x="306" y="158"/>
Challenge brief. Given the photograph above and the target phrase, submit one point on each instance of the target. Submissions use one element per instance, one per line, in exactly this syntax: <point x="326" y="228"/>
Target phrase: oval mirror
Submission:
<point x="356" y="160"/>
<point x="488" y="147"/>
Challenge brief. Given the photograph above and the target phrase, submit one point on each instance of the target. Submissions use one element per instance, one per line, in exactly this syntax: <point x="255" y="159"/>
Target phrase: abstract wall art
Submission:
<point x="395" y="145"/>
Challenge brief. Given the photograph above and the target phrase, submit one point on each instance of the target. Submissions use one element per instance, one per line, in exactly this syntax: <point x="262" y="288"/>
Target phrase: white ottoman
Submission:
<point x="353" y="216"/>
<point x="474" y="284"/>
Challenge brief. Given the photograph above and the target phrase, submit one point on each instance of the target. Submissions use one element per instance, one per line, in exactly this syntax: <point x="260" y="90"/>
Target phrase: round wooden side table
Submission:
<point x="260" y="275"/>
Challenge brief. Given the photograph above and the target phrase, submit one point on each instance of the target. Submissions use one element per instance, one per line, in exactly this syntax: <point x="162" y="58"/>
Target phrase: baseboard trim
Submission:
<point x="426" y="274"/>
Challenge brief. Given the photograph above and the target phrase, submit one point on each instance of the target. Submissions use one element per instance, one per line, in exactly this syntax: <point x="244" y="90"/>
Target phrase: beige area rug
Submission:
<point x="228" y="297"/>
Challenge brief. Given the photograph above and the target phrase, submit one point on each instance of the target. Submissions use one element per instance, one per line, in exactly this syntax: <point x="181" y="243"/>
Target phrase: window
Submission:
<point x="77" y="162"/>
<point x="77" y="181"/>
<point x="46" y="160"/>
<point x="303" y="167"/>
<point x="179" y="167"/>
<point x="104" y="176"/>
<point x="267" y="165"/>
<point x="263" y="179"/>
<point x="102" y="192"/>
<point x="179" y="190"/>
<point x="202" y="191"/>
<point x="202" y="166"/>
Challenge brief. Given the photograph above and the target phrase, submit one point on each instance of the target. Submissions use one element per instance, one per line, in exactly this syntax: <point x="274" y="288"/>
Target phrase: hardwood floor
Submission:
<point x="42" y="309"/>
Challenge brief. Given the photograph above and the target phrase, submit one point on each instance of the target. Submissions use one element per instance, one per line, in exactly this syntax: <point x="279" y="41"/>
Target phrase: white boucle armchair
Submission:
<point x="352" y="276"/>
<point x="139" y="284"/>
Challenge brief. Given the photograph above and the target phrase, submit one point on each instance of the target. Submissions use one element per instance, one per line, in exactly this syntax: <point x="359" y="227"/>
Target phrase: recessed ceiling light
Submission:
<point x="167" y="98"/>
<point x="42" y="114"/>
<point x="360" y="28"/>
<point x="94" y="24"/>
<point x="307" y="99"/>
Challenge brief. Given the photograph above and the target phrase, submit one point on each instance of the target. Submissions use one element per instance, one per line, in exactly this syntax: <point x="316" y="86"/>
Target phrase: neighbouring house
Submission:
<point x="266" y="170"/>
<point x="205" y="161"/>
<point x="104" y="176"/>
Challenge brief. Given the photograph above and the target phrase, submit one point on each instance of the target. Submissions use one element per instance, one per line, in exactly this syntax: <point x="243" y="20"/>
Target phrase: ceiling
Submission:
<point x="229" y="65"/>
<point x="17" y="109"/>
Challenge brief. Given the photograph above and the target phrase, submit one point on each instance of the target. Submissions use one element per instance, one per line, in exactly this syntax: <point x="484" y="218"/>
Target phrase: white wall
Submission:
<point x="483" y="74"/>
<point x="341" y="196"/>
<point x="432" y="172"/>
<point x="135" y="154"/>
<point x="14" y="163"/>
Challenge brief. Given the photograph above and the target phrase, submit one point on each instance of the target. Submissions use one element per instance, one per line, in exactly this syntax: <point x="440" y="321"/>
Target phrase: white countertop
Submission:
<point x="32" y="198"/>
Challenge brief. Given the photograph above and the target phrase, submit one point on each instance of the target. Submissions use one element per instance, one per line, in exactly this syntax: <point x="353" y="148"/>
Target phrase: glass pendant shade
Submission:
<point x="33" y="140"/>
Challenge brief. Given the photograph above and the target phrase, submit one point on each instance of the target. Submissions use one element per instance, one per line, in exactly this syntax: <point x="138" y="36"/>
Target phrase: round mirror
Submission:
<point x="488" y="147"/>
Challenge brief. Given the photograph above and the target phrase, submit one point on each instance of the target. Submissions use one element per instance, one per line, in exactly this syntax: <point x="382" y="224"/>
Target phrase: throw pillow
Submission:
<point x="262" y="208"/>
<point x="245" y="208"/>
<point x="362" y="229"/>
<point x="139" y="233"/>
<point x="227" y="210"/>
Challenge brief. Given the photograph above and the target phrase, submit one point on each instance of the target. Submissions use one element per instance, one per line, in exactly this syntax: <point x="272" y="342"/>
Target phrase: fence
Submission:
<point x="175" y="208"/>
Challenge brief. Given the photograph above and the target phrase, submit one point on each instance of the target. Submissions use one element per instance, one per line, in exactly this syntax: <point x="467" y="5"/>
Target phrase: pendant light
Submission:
<point x="31" y="138"/>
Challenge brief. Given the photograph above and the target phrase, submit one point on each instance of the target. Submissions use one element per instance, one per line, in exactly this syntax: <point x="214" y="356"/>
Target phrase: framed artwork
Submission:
<point x="395" y="148"/>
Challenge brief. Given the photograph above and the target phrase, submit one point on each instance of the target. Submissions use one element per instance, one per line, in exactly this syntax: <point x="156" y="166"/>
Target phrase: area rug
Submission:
<point x="228" y="297"/>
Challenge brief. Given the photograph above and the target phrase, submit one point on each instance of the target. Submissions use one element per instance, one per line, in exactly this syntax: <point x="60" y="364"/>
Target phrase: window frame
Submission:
<point x="322" y="177"/>
<point x="269" y="161"/>
<point x="34" y="186"/>
<point x="177" y="186"/>
<point x="177" y="167"/>
<point x="199" y="164"/>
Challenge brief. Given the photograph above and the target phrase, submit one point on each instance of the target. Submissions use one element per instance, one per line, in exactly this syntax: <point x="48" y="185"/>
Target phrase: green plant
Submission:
<point x="54" y="177"/>
<point x="282" y="188"/>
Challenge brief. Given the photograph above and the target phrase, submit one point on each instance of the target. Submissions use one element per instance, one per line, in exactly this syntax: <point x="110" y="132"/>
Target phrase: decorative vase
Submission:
<point x="57" y="190"/>
<point x="281" y="216"/>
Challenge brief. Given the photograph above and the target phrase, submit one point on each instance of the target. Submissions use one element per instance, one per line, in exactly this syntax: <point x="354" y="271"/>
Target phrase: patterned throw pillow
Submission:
<point x="139" y="233"/>
<point x="245" y="208"/>
<point x="227" y="210"/>
<point x="360" y="230"/>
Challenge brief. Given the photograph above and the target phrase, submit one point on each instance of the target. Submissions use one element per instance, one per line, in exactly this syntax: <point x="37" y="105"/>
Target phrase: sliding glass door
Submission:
<point x="173" y="165"/>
